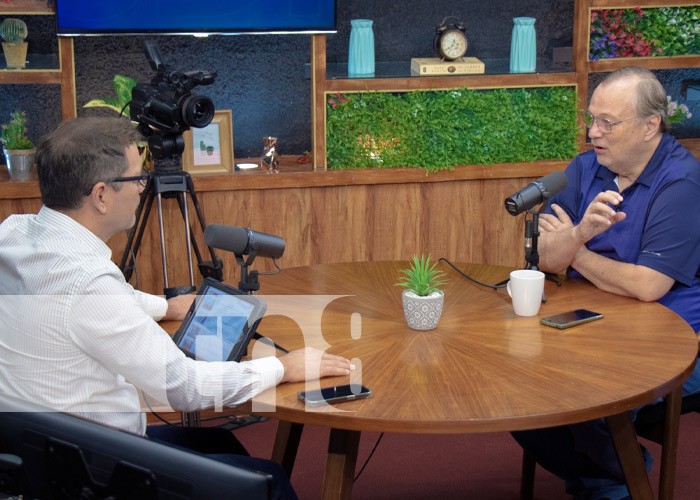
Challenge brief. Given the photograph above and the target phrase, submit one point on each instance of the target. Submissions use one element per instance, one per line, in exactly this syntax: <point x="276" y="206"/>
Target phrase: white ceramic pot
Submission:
<point x="422" y="313"/>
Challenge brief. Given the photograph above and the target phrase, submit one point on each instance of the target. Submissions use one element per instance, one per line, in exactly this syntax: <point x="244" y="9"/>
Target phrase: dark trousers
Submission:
<point x="221" y="445"/>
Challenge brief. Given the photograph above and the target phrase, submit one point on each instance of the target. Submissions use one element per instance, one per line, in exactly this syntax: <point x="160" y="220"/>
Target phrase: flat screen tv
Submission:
<point x="203" y="17"/>
<point x="52" y="455"/>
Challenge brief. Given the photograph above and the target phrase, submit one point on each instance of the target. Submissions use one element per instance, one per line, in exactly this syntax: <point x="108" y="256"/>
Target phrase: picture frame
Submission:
<point x="209" y="150"/>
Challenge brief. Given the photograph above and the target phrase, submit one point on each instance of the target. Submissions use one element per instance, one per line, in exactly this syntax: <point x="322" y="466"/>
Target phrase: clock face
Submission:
<point x="453" y="44"/>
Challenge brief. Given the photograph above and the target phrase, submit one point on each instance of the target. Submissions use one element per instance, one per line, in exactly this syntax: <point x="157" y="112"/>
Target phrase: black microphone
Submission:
<point x="243" y="241"/>
<point x="536" y="192"/>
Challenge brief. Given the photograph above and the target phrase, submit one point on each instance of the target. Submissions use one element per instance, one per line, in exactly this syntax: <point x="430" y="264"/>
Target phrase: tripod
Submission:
<point x="168" y="180"/>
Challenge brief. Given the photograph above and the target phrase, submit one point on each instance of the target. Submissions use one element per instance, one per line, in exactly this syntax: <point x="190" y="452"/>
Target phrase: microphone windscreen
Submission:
<point x="536" y="192"/>
<point x="230" y="238"/>
<point x="553" y="183"/>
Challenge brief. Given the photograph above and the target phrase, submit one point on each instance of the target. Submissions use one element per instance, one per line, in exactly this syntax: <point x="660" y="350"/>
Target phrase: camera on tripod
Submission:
<point x="166" y="107"/>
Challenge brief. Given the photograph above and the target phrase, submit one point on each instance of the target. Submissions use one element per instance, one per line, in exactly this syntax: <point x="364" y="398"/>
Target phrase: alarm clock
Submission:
<point x="450" y="41"/>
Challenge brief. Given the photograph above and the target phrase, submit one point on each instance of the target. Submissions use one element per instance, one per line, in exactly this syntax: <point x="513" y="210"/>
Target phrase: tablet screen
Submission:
<point x="218" y="324"/>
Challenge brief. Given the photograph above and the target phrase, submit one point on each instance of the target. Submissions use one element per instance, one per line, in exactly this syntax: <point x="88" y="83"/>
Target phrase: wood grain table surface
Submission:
<point x="483" y="369"/>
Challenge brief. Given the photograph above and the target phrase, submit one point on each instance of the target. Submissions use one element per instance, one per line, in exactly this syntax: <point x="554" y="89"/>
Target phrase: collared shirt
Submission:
<point x="662" y="227"/>
<point x="75" y="337"/>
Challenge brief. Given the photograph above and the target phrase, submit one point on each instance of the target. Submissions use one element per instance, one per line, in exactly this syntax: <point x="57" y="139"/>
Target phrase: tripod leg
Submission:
<point x="214" y="268"/>
<point x="188" y="235"/>
<point x="162" y="241"/>
<point x="132" y="247"/>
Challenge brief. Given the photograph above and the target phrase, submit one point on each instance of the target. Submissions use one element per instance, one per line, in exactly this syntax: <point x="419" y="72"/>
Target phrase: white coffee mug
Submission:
<point x="525" y="288"/>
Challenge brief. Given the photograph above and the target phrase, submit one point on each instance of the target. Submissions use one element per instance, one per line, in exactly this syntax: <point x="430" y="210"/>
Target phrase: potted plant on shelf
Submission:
<point x="13" y="32"/>
<point x="422" y="299"/>
<point x="18" y="149"/>
<point x="123" y="85"/>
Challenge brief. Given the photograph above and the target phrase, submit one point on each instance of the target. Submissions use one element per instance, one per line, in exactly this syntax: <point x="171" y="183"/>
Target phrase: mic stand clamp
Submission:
<point x="249" y="281"/>
<point x="532" y="233"/>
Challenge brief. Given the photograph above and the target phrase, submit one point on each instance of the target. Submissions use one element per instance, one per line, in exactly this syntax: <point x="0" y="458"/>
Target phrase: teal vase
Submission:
<point x="523" y="46"/>
<point x="361" y="51"/>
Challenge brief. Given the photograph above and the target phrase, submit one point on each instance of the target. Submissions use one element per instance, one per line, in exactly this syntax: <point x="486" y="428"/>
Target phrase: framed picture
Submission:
<point x="209" y="150"/>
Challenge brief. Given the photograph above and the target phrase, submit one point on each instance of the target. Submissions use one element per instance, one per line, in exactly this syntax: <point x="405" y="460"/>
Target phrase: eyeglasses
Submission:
<point x="604" y="124"/>
<point x="140" y="179"/>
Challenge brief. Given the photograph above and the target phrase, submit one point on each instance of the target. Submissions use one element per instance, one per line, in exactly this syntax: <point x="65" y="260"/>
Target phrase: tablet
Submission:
<point x="220" y="323"/>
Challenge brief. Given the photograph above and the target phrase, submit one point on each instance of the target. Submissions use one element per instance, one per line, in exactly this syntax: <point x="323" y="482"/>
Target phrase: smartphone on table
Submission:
<point x="334" y="394"/>
<point x="570" y="318"/>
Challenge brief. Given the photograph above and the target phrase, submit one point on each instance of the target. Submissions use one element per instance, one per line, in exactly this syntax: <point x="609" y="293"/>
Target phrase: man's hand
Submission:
<point x="549" y="223"/>
<point x="178" y="307"/>
<point x="311" y="364"/>
<point x="562" y="241"/>
<point x="599" y="216"/>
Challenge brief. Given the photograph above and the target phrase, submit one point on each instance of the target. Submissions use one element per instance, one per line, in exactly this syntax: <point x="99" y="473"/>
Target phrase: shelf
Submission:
<point x="43" y="69"/>
<point x="40" y="69"/>
<point x="402" y="69"/>
<point x="37" y="62"/>
<point x="33" y="7"/>
<point x="673" y="62"/>
<point x="293" y="175"/>
<point x="396" y="76"/>
<point x="628" y="4"/>
<point x="448" y="82"/>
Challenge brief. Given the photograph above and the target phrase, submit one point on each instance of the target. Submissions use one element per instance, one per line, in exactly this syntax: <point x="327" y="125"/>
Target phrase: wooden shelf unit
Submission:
<point x="583" y="66"/>
<point x="322" y="86"/>
<point x="64" y="75"/>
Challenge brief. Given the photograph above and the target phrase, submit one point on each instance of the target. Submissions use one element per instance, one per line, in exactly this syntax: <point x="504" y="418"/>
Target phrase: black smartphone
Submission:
<point x="570" y="318"/>
<point x="335" y="394"/>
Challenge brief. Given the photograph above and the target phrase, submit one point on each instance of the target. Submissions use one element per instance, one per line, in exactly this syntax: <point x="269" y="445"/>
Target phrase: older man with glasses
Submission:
<point x="628" y="222"/>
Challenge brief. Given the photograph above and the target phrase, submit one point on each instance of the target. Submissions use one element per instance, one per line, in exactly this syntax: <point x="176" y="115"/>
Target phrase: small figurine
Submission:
<point x="269" y="160"/>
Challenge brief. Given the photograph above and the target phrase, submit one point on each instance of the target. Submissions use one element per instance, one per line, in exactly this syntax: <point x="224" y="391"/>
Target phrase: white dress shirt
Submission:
<point x="72" y="332"/>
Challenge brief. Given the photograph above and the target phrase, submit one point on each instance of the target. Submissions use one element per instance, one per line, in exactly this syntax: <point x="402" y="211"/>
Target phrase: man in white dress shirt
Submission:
<point x="74" y="336"/>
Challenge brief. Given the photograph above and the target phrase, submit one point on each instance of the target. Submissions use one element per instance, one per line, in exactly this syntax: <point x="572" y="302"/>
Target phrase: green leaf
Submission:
<point x="440" y="129"/>
<point x="123" y="86"/>
<point x="421" y="277"/>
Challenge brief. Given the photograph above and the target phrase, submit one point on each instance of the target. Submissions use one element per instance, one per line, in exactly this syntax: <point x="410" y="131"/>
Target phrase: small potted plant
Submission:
<point x="13" y="32"/>
<point x="123" y="86"/>
<point x="422" y="299"/>
<point x="18" y="149"/>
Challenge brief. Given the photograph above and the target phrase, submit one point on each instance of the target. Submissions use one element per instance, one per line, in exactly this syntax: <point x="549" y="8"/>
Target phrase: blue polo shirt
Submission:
<point x="662" y="228"/>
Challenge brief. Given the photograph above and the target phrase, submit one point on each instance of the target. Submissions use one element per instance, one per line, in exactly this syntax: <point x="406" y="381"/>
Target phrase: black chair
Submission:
<point x="52" y="455"/>
<point x="649" y="424"/>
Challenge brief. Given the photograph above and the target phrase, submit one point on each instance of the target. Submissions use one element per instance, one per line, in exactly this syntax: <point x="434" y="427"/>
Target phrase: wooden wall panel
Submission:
<point x="461" y="220"/>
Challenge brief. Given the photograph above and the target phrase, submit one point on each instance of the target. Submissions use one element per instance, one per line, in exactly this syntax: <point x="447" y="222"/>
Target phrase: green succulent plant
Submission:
<point x="421" y="277"/>
<point x="13" y="31"/>
<point x="14" y="133"/>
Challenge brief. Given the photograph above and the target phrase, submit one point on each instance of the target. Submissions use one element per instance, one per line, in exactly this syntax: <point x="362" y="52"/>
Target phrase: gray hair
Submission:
<point x="650" y="97"/>
<point x="78" y="154"/>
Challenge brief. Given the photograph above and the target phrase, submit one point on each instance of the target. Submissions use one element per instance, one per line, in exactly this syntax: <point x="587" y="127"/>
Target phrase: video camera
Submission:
<point x="165" y="108"/>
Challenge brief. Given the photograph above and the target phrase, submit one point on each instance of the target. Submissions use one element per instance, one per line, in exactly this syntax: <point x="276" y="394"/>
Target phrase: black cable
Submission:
<point x="145" y="399"/>
<point x="137" y="285"/>
<point x="274" y="261"/>
<point x="370" y="456"/>
<point x="123" y="108"/>
<point x="494" y="287"/>
<point x="269" y="341"/>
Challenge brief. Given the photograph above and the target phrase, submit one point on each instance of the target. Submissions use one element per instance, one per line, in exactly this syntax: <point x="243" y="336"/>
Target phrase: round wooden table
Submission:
<point x="483" y="369"/>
